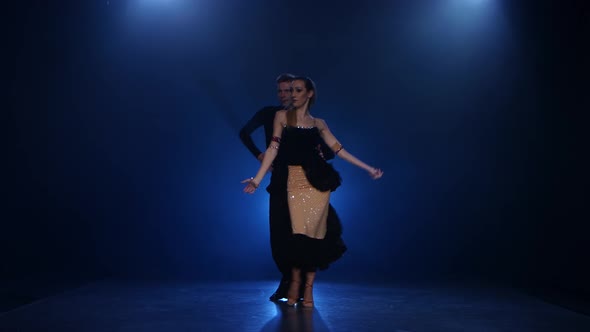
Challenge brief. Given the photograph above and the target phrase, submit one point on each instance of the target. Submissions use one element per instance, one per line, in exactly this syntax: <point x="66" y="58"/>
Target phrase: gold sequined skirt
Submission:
<point x="308" y="207"/>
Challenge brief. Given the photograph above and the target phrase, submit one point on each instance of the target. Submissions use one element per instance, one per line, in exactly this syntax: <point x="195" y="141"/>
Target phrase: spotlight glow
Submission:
<point x="159" y="6"/>
<point x="470" y="2"/>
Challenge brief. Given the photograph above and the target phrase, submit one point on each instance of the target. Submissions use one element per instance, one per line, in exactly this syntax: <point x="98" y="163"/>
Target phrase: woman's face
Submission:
<point x="299" y="94"/>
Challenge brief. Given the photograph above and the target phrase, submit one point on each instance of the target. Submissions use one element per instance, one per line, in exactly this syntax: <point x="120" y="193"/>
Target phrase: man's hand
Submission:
<point x="320" y="152"/>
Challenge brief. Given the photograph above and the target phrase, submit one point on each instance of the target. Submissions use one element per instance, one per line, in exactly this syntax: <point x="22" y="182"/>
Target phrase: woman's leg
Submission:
<point x="308" y="293"/>
<point x="293" y="294"/>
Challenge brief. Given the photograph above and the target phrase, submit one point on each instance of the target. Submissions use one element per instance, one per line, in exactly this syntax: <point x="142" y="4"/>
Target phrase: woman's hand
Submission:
<point x="375" y="173"/>
<point x="251" y="185"/>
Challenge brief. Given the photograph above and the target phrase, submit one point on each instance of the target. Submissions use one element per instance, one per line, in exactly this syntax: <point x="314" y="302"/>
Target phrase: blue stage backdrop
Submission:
<point x="125" y="158"/>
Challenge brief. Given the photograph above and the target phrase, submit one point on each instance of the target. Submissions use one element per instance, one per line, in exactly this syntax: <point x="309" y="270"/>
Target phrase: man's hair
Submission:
<point x="285" y="77"/>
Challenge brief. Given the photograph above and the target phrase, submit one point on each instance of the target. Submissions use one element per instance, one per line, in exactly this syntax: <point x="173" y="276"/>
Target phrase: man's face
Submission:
<point x="284" y="93"/>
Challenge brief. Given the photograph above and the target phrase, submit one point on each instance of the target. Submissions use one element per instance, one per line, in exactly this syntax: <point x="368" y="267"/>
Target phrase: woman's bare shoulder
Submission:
<point x="320" y="123"/>
<point x="282" y="114"/>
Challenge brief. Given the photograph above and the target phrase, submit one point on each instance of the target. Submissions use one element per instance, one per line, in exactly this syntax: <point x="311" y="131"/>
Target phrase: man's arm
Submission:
<point x="254" y="123"/>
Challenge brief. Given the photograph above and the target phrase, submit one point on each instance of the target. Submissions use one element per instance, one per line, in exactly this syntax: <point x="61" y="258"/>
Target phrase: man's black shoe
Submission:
<point x="281" y="292"/>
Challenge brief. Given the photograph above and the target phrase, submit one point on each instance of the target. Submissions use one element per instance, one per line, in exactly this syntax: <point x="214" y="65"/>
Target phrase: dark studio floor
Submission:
<point x="244" y="306"/>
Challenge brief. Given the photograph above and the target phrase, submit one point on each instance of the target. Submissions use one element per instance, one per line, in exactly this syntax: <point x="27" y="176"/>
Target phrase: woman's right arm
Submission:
<point x="270" y="154"/>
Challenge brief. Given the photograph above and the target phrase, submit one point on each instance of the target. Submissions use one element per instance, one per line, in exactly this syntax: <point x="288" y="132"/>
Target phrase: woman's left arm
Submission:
<point x="339" y="150"/>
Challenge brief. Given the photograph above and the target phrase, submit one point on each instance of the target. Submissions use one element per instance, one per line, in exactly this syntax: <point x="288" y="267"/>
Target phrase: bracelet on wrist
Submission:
<point x="254" y="184"/>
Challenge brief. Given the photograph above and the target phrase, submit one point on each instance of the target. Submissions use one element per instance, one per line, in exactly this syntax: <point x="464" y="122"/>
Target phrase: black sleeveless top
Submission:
<point x="300" y="146"/>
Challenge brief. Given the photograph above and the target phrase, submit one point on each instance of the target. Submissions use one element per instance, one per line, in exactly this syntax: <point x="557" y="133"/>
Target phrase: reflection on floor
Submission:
<point x="244" y="306"/>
